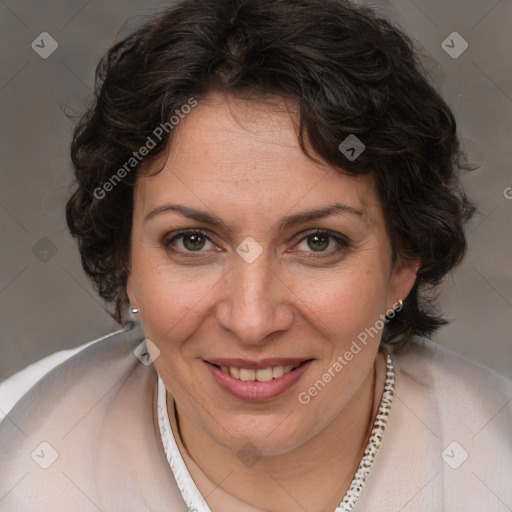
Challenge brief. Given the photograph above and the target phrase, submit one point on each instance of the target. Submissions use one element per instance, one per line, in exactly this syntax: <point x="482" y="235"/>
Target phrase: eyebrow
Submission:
<point x="285" y="223"/>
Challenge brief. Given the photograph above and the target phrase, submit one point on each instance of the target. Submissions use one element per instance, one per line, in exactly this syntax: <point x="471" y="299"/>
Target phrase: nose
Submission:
<point x="256" y="304"/>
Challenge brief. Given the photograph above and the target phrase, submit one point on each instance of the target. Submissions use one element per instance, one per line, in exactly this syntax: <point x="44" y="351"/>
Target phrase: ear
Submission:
<point x="129" y="291"/>
<point x="402" y="279"/>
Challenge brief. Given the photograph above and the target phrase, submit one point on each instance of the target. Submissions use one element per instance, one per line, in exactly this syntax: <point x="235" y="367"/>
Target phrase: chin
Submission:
<point x="264" y="436"/>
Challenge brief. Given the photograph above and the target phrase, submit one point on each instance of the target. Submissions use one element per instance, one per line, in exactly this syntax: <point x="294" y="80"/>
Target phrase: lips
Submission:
<point x="262" y="371"/>
<point x="257" y="380"/>
<point x="254" y="365"/>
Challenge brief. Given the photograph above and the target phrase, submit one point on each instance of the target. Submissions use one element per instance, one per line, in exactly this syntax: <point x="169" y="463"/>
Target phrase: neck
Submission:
<point x="323" y="466"/>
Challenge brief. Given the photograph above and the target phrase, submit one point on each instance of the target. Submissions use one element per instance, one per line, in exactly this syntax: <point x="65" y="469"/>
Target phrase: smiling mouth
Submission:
<point x="260" y="374"/>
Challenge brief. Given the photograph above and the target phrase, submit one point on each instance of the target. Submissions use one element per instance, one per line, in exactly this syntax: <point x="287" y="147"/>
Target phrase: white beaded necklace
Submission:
<point x="191" y="494"/>
<point x="381" y="419"/>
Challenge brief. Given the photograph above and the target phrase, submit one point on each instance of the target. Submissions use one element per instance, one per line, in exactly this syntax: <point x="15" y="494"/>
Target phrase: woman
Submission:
<point x="272" y="189"/>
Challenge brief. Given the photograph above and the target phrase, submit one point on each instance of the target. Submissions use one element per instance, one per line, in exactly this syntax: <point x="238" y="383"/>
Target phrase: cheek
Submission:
<point x="343" y="301"/>
<point x="171" y="298"/>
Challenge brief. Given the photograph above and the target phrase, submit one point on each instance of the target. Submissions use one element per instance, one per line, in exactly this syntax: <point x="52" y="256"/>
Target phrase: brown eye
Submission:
<point x="193" y="242"/>
<point x="323" y="242"/>
<point x="186" y="242"/>
<point x="318" y="242"/>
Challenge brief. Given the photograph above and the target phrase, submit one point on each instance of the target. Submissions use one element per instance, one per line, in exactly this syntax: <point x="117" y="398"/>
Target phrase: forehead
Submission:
<point x="244" y="156"/>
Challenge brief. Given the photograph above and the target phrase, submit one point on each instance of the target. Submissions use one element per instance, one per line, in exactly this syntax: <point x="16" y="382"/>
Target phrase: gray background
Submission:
<point x="46" y="303"/>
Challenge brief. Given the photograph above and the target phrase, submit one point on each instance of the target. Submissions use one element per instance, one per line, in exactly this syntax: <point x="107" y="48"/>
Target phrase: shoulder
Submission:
<point x="468" y="406"/>
<point x="59" y="380"/>
<point x="86" y="421"/>
<point x="453" y="415"/>
<point x="15" y="386"/>
<point x="53" y="368"/>
<point x="432" y="364"/>
<point x="68" y="379"/>
<point x="463" y="392"/>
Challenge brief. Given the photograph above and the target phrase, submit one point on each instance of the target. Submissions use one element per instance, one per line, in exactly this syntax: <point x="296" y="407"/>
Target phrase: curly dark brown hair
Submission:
<point x="349" y="72"/>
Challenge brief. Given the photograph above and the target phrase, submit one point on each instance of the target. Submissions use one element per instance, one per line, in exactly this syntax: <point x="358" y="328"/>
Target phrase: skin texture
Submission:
<point x="241" y="161"/>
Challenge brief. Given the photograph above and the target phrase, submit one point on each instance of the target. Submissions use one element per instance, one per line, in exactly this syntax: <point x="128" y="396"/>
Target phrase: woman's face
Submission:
<point x="258" y="281"/>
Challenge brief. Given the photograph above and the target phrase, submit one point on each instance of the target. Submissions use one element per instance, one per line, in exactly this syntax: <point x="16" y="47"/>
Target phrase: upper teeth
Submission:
<point x="261" y="374"/>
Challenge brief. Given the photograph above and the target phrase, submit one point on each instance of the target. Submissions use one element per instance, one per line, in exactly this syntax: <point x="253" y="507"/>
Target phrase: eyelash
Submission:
<point x="342" y="242"/>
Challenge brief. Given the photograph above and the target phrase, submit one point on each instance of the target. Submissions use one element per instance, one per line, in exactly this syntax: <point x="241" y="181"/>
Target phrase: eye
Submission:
<point x="188" y="241"/>
<point x="322" y="241"/>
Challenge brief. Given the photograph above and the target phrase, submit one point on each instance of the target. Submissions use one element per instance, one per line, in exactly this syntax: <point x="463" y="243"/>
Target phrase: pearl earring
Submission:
<point x="134" y="311"/>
